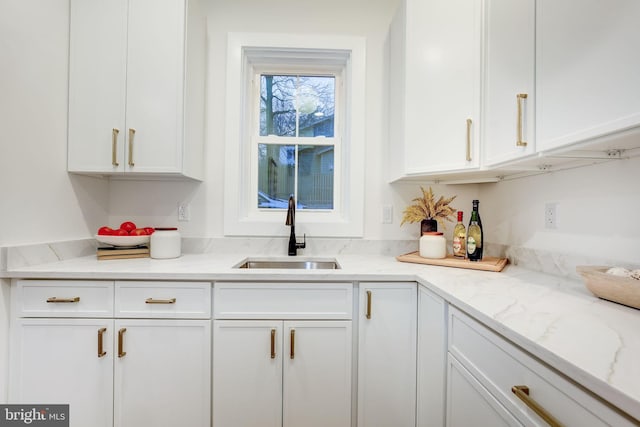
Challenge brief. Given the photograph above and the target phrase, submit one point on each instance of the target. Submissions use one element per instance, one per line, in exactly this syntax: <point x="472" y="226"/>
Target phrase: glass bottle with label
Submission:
<point x="460" y="238"/>
<point x="475" y="235"/>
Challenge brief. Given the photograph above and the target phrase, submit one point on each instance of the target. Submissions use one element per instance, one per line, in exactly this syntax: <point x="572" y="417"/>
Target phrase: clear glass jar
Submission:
<point x="433" y="245"/>
<point x="165" y="243"/>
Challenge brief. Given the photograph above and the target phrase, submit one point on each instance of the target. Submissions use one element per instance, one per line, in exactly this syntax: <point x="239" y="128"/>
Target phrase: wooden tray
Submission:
<point x="487" y="263"/>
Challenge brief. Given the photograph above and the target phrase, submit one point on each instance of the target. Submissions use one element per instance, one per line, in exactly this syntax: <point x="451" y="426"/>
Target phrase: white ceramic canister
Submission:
<point x="433" y="245"/>
<point x="165" y="243"/>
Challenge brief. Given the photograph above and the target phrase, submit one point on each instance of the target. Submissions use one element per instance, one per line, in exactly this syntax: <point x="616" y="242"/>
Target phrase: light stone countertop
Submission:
<point x="592" y="341"/>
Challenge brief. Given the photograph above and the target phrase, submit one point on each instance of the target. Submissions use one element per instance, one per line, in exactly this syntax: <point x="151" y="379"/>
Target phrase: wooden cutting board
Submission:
<point x="487" y="263"/>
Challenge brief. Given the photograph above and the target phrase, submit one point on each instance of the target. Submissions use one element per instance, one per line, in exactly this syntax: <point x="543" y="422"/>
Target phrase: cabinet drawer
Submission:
<point x="63" y="298"/>
<point x="282" y="300"/>
<point x="500" y="365"/>
<point x="185" y="300"/>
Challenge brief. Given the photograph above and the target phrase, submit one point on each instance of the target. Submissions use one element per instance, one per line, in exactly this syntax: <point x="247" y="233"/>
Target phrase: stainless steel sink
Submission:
<point x="296" y="264"/>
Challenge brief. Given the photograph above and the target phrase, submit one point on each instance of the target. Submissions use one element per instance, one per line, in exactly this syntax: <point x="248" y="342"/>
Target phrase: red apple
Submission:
<point x="105" y="231"/>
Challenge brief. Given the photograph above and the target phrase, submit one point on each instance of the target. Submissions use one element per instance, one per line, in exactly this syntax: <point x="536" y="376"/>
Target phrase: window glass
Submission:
<point x="297" y="106"/>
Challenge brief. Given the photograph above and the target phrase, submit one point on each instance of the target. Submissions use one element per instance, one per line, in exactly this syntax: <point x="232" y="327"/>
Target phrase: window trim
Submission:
<point x="248" y="52"/>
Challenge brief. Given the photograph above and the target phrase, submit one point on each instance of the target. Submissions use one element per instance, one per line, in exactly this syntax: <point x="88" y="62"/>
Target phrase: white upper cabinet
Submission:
<point x="508" y="93"/>
<point x="587" y="70"/>
<point x="435" y="76"/>
<point x="136" y="88"/>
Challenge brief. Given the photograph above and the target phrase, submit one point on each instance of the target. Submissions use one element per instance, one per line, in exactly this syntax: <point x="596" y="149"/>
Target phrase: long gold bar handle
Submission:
<point x="469" y="122"/>
<point x="292" y="353"/>
<point x="368" y="315"/>
<point x="101" y="352"/>
<point x="519" y="98"/>
<point x="522" y="392"/>
<point x="160" y="301"/>
<point x="121" y="332"/>
<point x="273" y="343"/>
<point x="114" y="147"/>
<point x="132" y="134"/>
<point x="64" y="300"/>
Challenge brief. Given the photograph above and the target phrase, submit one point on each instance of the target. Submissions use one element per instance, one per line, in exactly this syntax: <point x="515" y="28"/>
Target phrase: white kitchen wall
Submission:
<point x="39" y="201"/>
<point x="597" y="211"/>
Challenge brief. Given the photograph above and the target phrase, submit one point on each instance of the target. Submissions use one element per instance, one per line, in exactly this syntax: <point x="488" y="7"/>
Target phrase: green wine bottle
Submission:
<point x="475" y="235"/>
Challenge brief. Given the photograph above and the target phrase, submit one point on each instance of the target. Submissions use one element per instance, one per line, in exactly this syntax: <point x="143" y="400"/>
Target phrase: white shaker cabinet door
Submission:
<point x="65" y="361"/>
<point x="97" y="85"/>
<point x="162" y="373"/>
<point x="509" y="96"/>
<point x="587" y="69"/>
<point x="317" y="373"/>
<point x="387" y="355"/>
<point x="247" y="373"/>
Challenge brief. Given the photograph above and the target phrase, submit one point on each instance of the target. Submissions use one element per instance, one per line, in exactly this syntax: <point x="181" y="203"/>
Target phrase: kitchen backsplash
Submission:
<point x="554" y="263"/>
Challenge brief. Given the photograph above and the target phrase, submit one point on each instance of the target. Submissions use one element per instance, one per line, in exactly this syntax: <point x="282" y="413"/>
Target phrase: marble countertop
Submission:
<point x="592" y="341"/>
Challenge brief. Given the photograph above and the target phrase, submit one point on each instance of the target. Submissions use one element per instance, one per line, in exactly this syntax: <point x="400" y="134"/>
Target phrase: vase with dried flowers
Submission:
<point x="429" y="212"/>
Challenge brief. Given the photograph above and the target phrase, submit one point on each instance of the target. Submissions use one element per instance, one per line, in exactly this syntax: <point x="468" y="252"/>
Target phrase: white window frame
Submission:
<point x="252" y="54"/>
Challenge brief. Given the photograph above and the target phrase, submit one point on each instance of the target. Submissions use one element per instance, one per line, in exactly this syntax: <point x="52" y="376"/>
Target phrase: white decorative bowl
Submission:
<point x="123" y="241"/>
<point x="623" y="290"/>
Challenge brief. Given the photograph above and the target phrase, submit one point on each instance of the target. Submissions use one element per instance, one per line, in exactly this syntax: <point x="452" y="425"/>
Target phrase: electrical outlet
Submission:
<point x="387" y="214"/>
<point x="551" y="215"/>
<point x="184" y="212"/>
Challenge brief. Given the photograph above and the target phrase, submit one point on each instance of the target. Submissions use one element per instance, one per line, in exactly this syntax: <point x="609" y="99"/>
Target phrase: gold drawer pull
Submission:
<point x="368" y="315"/>
<point x="101" y="351"/>
<point x="292" y="354"/>
<point x="114" y="147"/>
<point x="519" y="98"/>
<point x="56" y="299"/>
<point x="469" y="122"/>
<point x="132" y="134"/>
<point x="160" y="301"/>
<point x="522" y="392"/>
<point x="121" y="352"/>
<point x="273" y="343"/>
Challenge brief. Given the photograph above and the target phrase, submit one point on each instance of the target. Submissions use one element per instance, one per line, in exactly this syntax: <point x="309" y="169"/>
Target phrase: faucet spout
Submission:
<point x="291" y="221"/>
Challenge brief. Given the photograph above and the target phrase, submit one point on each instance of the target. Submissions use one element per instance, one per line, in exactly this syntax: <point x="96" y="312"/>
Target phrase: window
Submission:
<point x="296" y="140"/>
<point x="295" y="126"/>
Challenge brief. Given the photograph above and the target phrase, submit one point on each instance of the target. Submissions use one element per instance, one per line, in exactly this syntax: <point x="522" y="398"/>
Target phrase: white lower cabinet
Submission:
<point x="485" y="371"/>
<point x="57" y="361"/>
<point x="270" y="373"/>
<point x="387" y="354"/>
<point x="282" y="371"/>
<point x="111" y="371"/>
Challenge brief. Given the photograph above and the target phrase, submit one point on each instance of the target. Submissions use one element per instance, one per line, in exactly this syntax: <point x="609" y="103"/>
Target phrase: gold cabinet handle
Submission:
<point x="469" y="122"/>
<point x="292" y="353"/>
<point x="121" y="332"/>
<point x="273" y="343"/>
<point x="101" y="352"/>
<point x="63" y="300"/>
<point x="132" y="134"/>
<point x="522" y="392"/>
<point x="114" y="147"/>
<point x="519" y="98"/>
<point x="368" y="305"/>
<point x="160" y="301"/>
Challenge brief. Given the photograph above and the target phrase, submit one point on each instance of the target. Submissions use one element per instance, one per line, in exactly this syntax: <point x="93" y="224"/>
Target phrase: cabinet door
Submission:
<point x="509" y="80"/>
<point x="387" y="355"/>
<point x="443" y="58"/>
<point x="155" y="80"/>
<point x="587" y="69"/>
<point x="317" y="374"/>
<point x="57" y="361"/>
<point x="97" y="74"/>
<point x="162" y="373"/>
<point x="247" y="373"/>
<point x="432" y="358"/>
<point x="470" y="404"/>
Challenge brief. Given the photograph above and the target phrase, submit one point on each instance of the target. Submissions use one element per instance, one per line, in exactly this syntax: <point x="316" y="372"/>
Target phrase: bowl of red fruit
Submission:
<point x="128" y="235"/>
